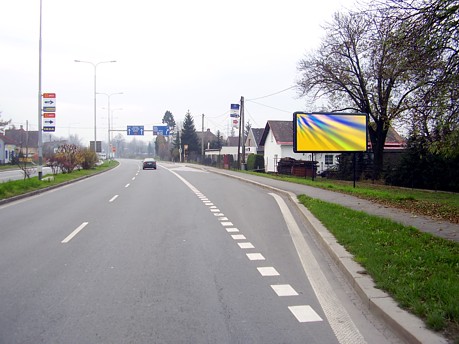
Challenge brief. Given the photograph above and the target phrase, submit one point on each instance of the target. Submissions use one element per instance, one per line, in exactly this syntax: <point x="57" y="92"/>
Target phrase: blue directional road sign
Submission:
<point x="161" y="130"/>
<point x="135" y="130"/>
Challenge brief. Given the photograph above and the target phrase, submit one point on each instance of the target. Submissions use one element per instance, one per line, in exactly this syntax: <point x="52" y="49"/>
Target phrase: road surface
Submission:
<point x="174" y="255"/>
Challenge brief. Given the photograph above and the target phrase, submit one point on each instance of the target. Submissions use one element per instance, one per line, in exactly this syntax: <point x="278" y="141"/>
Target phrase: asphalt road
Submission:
<point x="16" y="174"/>
<point x="174" y="255"/>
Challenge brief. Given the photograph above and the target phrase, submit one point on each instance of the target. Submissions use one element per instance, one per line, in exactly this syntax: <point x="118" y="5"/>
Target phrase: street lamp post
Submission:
<point x="95" y="92"/>
<point x="108" y="115"/>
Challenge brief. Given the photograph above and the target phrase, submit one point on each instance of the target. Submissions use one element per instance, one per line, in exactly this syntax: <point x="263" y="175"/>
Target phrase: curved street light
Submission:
<point x="95" y="92"/>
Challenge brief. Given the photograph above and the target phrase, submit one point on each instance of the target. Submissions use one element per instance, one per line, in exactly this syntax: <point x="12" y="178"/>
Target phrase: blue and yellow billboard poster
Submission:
<point x="329" y="132"/>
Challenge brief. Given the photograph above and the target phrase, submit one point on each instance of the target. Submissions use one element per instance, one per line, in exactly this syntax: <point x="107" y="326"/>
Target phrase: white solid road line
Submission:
<point x="75" y="232"/>
<point x="338" y="318"/>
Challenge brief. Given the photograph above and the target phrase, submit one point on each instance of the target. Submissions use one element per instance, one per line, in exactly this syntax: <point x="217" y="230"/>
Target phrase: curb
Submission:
<point x="406" y="325"/>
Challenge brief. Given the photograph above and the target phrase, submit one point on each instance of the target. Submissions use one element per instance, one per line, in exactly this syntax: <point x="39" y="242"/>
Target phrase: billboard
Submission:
<point x="329" y="132"/>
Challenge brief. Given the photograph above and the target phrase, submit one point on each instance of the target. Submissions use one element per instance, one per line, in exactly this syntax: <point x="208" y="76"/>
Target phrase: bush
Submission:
<point x="89" y="159"/>
<point x="255" y="162"/>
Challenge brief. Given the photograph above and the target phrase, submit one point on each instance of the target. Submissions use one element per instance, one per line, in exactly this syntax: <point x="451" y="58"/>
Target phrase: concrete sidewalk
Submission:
<point x="409" y="327"/>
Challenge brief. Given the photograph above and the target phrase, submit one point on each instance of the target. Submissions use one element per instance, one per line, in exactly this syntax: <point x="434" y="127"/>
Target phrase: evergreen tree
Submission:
<point x="169" y="119"/>
<point x="189" y="136"/>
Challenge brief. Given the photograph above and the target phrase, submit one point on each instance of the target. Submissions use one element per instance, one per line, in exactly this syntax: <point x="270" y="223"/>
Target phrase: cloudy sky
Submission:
<point x="175" y="55"/>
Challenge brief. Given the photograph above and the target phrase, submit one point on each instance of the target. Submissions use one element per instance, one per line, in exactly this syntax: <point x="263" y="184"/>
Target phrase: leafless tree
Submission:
<point x="362" y="66"/>
<point x="431" y="29"/>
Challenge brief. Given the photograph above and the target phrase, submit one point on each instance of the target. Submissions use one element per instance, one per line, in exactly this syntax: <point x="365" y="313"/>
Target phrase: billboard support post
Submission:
<point x="330" y="133"/>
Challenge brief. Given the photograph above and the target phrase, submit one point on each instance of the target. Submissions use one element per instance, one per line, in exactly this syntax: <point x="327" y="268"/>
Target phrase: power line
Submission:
<point x="272" y="94"/>
<point x="272" y="107"/>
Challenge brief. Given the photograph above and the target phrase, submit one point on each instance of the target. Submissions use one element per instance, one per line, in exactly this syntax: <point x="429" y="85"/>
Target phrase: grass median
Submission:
<point x="23" y="186"/>
<point x="419" y="270"/>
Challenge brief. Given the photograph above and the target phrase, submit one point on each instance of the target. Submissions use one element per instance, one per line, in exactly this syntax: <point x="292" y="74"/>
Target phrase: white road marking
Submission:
<point x="75" y="232"/>
<point x="219" y="214"/>
<point x="127" y="185"/>
<point x="255" y="256"/>
<point x="232" y="230"/>
<point x="226" y="224"/>
<point x="133" y="178"/>
<point x="223" y="218"/>
<point x="284" y="290"/>
<point x="305" y="314"/>
<point x="238" y="237"/>
<point x="245" y="245"/>
<point x="215" y="210"/>
<point x="341" y="323"/>
<point x="213" y="207"/>
<point x="113" y="198"/>
<point x="267" y="271"/>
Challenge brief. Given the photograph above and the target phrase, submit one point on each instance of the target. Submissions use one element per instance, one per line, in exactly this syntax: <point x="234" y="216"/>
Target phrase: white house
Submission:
<point x="277" y="140"/>
<point x="278" y="143"/>
<point x="252" y="142"/>
<point x="7" y="149"/>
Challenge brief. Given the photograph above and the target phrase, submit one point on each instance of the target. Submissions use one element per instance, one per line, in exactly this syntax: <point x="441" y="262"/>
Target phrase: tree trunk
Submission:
<point x="378" y="133"/>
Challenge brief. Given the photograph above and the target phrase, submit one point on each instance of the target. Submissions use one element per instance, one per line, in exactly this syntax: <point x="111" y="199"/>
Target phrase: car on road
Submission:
<point x="149" y="163"/>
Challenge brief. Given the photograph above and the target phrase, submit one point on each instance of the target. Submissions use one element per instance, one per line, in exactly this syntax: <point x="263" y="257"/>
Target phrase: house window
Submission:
<point x="328" y="159"/>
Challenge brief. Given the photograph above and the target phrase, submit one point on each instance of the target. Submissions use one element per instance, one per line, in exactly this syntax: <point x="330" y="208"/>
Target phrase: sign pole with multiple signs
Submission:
<point x="49" y="112"/>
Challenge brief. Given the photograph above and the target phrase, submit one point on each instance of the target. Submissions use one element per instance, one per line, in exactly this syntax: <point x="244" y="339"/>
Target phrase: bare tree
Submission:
<point x="432" y="32"/>
<point x="361" y="66"/>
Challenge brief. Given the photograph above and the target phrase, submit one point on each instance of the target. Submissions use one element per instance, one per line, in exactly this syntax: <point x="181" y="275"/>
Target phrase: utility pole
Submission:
<point x="242" y="131"/>
<point x="240" y="160"/>
<point x="40" y="137"/>
<point x="202" y="139"/>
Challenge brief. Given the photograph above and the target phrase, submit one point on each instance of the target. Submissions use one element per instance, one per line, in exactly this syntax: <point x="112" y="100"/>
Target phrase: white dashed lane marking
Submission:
<point x="255" y="256"/>
<point x="303" y="313"/>
<point x="284" y="290"/>
<point x="75" y="232"/>
<point x="245" y="245"/>
<point x="268" y="271"/>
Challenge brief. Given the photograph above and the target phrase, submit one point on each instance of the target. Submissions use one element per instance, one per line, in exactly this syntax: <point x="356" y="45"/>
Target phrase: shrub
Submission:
<point x="255" y="162"/>
<point x="89" y="159"/>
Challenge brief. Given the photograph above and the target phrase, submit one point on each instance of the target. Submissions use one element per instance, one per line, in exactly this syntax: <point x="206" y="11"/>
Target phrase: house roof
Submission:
<point x="282" y="132"/>
<point x="22" y="137"/>
<point x="257" y="134"/>
<point x="7" y="140"/>
<point x="208" y="136"/>
<point x="233" y="141"/>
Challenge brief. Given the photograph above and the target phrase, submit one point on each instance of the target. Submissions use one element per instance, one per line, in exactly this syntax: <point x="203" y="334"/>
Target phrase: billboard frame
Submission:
<point x="297" y="114"/>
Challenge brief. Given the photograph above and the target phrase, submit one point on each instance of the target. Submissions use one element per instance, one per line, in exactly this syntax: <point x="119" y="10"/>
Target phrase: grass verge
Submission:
<point x="420" y="271"/>
<point x="439" y="205"/>
<point x="19" y="187"/>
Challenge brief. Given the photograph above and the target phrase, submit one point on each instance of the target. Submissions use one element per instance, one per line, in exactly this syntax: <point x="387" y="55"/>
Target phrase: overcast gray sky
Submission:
<point x="174" y="55"/>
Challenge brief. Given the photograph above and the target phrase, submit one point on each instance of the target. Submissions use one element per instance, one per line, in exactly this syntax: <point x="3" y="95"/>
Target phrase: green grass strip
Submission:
<point x="19" y="187"/>
<point x="420" y="271"/>
<point x="443" y="205"/>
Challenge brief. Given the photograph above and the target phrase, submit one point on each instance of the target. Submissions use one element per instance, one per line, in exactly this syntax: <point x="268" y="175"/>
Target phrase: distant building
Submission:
<point x="26" y="141"/>
<point x="209" y="138"/>
<point x="252" y="142"/>
<point x="7" y="149"/>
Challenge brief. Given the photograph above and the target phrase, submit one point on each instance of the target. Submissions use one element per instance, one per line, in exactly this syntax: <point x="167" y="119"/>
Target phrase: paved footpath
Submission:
<point x="440" y="228"/>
